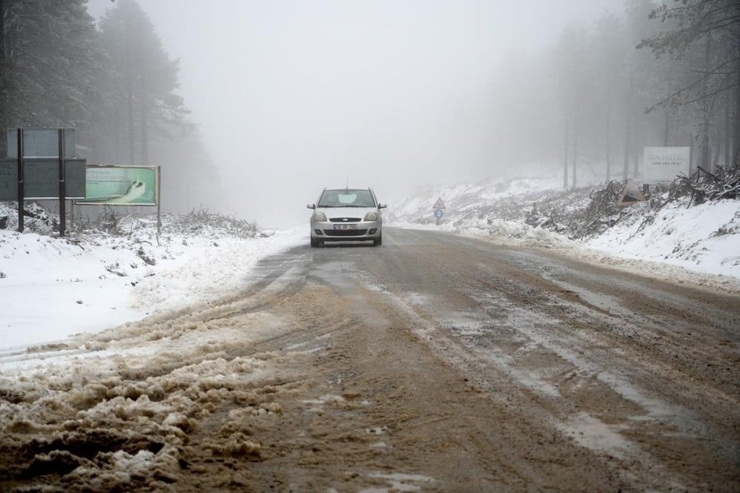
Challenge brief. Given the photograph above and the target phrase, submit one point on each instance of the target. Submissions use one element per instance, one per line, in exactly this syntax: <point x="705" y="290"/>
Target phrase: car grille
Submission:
<point x="346" y="232"/>
<point x="345" y="219"/>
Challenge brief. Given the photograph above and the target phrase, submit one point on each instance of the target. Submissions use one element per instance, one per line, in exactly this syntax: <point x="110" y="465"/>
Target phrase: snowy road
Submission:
<point x="433" y="363"/>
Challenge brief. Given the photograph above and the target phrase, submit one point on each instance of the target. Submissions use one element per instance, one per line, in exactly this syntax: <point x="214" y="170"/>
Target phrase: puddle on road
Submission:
<point x="657" y="409"/>
<point x="600" y="301"/>
<point x="464" y="324"/>
<point x="418" y="299"/>
<point x="398" y="482"/>
<point x="592" y="433"/>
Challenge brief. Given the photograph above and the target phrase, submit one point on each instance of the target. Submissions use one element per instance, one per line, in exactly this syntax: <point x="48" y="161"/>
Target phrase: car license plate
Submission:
<point x="345" y="226"/>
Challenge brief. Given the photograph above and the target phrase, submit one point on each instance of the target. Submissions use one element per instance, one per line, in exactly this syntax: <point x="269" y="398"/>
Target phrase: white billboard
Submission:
<point x="122" y="185"/>
<point x="664" y="164"/>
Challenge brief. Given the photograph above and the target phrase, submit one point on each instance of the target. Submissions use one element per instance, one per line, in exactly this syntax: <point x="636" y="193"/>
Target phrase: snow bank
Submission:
<point x="55" y="287"/>
<point x="704" y="238"/>
<point x="698" y="245"/>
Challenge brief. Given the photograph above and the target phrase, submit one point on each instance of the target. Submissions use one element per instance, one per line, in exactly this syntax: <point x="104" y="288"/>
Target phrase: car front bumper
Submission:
<point x="334" y="231"/>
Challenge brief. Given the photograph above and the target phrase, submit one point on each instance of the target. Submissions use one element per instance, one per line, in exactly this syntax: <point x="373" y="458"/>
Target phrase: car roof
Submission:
<point x="344" y="189"/>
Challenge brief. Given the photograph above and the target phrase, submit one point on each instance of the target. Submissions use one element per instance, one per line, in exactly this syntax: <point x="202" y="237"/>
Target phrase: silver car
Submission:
<point x="347" y="214"/>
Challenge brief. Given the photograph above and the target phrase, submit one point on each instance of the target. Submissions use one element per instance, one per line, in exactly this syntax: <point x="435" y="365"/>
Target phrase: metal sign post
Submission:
<point x="40" y="165"/>
<point x="159" y="201"/>
<point x="20" y="180"/>
<point x="62" y="194"/>
<point x="438" y="213"/>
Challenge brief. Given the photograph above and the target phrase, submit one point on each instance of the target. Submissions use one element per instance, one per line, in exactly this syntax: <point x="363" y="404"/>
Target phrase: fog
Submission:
<point x="294" y="96"/>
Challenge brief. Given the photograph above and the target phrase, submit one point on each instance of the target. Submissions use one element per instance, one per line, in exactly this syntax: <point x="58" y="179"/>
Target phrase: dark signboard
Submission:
<point x="42" y="179"/>
<point x="41" y="142"/>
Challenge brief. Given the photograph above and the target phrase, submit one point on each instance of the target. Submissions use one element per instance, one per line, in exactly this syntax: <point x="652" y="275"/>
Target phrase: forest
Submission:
<point x="113" y="83"/>
<point x="659" y="73"/>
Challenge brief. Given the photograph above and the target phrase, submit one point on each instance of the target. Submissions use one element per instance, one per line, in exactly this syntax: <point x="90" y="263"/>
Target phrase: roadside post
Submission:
<point x="20" y="180"/>
<point x="40" y="165"/>
<point x="62" y="192"/>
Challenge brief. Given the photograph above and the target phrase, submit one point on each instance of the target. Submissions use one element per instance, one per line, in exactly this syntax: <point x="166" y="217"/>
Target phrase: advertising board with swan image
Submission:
<point x="115" y="184"/>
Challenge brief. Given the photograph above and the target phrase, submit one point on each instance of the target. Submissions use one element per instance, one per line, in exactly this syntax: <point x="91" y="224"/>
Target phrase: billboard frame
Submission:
<point x="114" y="201"/>
<point x="663" y="165"/>
<point x="157" y="190"/>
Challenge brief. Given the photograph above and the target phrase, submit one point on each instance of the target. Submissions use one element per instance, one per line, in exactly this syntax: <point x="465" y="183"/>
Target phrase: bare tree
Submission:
<point x="691" y="25"/>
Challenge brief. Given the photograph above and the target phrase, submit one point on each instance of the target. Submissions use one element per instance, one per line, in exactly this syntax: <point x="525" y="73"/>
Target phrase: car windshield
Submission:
<point x="346" y="198"/>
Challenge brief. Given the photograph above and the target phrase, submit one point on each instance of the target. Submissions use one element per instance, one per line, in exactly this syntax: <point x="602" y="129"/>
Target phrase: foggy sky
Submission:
<point x="295" y="96"/>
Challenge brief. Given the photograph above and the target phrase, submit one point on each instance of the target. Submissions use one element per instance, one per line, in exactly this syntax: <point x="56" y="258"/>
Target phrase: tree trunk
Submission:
<point x="575" y="149"/>
<point x="628" y="127"/>
<point x="715" y="155"/>
<point x="130" y="101"/>
<point x="130" y="118"/>
<point x="608" y="138"/>
<point x="117" y="134"/>
<point x="608" y="148"/>
<point x="636" y="143"/>
<point x="627" y="146"/>
<point x="565" y="154"/>
<point x="706" y="105"/>
<point x="666" y="128"/>
<point x="736" y="143"/>
<point x="2" y="35"/>
<point x="144" y="128"/>
<point x="728" y="134"/>
<point x="3" y="75"/>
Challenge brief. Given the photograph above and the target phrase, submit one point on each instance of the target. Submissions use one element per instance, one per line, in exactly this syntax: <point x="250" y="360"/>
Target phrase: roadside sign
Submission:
<point x="41" y="142"/>
<point x="41" y="177"/>
<point x="439" y="204"/>
<point x="664" y="164"/>
<point x="122" y="185"/>
<point x="439" y="213"/>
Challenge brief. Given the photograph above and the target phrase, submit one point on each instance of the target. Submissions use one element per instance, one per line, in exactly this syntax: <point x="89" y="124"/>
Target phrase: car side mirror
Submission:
<point x="382" y="206"/>
<point x="311" y="206"/>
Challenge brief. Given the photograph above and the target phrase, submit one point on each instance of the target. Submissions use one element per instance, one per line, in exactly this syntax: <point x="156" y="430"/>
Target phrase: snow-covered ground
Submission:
<point x="692" y="244"/>
<point x="55" y="287"/>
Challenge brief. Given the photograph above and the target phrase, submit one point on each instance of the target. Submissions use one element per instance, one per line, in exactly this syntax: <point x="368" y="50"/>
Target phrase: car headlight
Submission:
<point x="319" y="216"/>
<point x="371" y="216"/>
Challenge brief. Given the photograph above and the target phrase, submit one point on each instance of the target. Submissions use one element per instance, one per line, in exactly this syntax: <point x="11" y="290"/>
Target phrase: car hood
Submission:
<point x="353" y="212"/>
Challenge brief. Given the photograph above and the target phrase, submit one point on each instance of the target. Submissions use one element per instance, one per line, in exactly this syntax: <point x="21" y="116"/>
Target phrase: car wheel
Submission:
<point x="379" y="241"/>
<point x="315" y="243"/>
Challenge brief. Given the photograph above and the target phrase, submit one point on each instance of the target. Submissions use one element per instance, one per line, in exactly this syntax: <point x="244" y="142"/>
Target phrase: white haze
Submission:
<point x="293" y="96"/>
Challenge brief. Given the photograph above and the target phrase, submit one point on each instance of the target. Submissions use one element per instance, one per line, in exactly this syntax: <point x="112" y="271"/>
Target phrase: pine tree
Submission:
<point x="141" y="102"/>
<point x="48" y="60"/>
